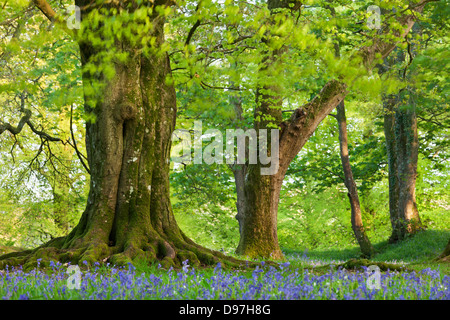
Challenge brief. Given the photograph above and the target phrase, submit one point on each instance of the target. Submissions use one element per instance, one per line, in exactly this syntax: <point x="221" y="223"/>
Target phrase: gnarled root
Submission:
<point x="167" y="253"/>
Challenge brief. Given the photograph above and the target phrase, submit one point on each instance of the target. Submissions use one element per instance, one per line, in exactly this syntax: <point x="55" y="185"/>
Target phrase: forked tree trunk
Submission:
<point x="262" y="192"/>
<point x="239" y="172"/>
<point x="356" y="217"/>
<point x="128" y="216"/>
<point x="259" y="227"/>
<point x="258" y="236"/>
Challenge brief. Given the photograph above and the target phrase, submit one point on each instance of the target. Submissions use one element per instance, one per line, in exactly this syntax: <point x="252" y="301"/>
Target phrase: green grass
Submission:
<point x="315" y="229"/>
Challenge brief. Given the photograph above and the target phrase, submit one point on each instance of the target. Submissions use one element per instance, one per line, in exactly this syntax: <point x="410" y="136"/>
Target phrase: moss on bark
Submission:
<point x="128" y="216"/>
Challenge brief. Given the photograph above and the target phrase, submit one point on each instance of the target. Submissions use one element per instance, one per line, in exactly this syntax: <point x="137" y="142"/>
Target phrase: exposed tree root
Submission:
<point x="166" y="253"/>
<point x="358" y="264"/>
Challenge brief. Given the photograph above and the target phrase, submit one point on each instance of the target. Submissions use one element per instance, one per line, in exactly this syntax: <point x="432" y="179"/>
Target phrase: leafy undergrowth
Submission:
<point x="265" y="282"/>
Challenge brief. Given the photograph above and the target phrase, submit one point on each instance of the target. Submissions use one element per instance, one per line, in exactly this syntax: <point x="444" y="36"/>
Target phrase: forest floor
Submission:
<point x="314" y="275"/>
<point x="317" y="242"/>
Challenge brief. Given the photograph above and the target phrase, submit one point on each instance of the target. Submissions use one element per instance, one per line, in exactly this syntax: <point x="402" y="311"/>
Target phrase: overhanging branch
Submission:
<point x="79" y="154"/>
<point x="45" y="137"/>
<point x="51" y="15"/>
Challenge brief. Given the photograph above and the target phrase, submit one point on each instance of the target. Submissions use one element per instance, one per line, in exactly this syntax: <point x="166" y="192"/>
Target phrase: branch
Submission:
<point x="306" y="119"/>
<point x="383" y="48"/>
<point x="333" y="173"/>
<point x="51" y="15"/>
<point x="191" y="32"/>
<point x="79" y="154"/>
<point x="44" y="135"/>
<point x="194" y="27"/>
<point x="46" y="9"/>
<point x="18" y="15"/>
<point x="26" y="120"/>
<point x="205" y="85"/>
<point x="18" y="129"/>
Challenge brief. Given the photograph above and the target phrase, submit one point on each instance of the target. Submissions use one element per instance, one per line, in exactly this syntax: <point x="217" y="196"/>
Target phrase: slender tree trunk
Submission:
<point x="60" y="187"/>
<point x="391" y="150"/>
<point x="356" y="217"/>
<point x="355" y="207"/>
<point x="239" y="170"/>
<point x="61" y="207"/>
<point x="262" y="192"/>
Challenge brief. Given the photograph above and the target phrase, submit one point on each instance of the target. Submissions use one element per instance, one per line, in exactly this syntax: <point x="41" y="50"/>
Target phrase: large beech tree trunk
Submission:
<point x="258" y="224"/>
<point x="262" y="192"/>
<point x="128" y="215"/>
<point x="258" y="237"/>
<point x="356" y="217"/>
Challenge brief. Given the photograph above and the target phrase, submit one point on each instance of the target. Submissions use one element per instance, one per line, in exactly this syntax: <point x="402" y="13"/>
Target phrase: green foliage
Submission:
<point x="319" y="161"/>
<point x="317" y="225"/>
<point x="212" y="225"/>
<point x="42" y="183"/>
<point x="194" y="187"/>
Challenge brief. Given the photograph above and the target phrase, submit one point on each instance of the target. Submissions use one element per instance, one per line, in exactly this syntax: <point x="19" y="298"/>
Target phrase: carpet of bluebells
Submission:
<point x="265" y="282"/>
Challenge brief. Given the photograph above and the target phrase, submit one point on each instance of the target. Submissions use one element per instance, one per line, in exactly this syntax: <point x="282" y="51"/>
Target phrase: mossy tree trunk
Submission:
<point x="128" y="215"/>
<point x="258" y="220"/>
<point x="391" y="150"/>
<point x="407" y="156"/>
<point x="400" y="127"/>
<point x="356" y="216"/>
<point x="262" y="192"/>
<point x="259" y="224"/>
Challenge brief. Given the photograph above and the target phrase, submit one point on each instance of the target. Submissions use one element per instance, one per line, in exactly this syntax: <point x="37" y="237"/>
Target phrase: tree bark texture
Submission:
<point x="128" y="216"/>
<point x="259" y="225"/>
<point x="356" y="216"/>
<point x="400" y="127"/>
